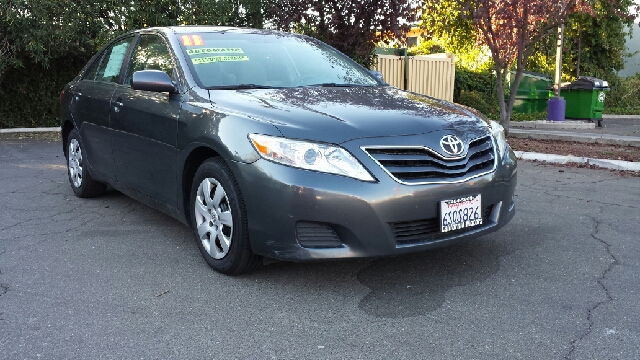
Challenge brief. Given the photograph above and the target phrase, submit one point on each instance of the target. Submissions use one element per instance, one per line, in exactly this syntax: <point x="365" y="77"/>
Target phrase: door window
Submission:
<point x="109" y="69"/>
<point x="150" y="54"/>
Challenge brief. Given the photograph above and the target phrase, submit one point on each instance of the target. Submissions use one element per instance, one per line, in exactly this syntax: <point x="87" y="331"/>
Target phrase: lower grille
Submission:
<point x="316" y="235"/>
<point x="427" y="230"/>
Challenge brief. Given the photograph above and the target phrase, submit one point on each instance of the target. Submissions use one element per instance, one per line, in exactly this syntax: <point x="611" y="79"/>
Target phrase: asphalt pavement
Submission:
<point x="111" y="278"/>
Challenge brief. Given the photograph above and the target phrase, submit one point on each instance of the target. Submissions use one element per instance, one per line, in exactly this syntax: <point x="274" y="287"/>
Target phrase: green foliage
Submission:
<point x="425" y="48"/>
<point x="477" y="101"/>
<point x="354" y="27"/>
<point x="529" y="116"/>
<point x="594" y="45"/>
<point x="45" y="43"/>
<point x="482" y="82"/>
<point x="30" y="94"/>
<point x="624" y="95"/>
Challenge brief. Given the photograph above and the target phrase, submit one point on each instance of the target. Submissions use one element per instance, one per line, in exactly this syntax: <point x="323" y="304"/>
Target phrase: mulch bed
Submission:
<point x="594" y="151"/>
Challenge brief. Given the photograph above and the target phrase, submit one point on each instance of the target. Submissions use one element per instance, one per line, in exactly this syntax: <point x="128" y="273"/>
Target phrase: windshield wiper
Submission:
<point x="338" y="85"/>
<point x="241" y="87"/>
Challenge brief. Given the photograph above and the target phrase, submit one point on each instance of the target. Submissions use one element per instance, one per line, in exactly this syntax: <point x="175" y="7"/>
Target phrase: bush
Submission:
<point x="475" y="100"/>
<point x="477" y="90"/>
<point x="30" y="95"/>
<point x="624" y="95"/>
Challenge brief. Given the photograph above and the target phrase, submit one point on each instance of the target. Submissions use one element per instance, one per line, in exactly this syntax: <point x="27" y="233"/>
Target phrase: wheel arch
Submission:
<point x="192" y="162"/>
<point x="67" y="126"/>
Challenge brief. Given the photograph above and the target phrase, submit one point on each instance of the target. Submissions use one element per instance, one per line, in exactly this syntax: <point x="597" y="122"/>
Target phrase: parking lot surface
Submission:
<point x="112" y="278"/>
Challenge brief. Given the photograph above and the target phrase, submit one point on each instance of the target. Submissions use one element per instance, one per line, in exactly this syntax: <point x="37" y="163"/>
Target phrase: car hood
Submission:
<point x="337" y="115"/>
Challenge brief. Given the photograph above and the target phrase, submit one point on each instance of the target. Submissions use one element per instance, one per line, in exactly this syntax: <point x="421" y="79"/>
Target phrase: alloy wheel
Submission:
<point x="75" y="162"/>
<point x="214" y="221"/>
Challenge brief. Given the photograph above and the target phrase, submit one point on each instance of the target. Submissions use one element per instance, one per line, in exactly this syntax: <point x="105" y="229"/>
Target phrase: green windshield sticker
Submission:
<point x="213" y="51"/>
<point x="214" y="59"/>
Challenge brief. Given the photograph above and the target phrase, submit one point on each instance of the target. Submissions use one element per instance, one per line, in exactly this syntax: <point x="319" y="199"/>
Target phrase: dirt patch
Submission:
<point x="594" y="151"/>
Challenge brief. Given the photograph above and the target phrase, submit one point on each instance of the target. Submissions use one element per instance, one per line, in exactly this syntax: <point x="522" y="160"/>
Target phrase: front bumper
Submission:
<point x="361" y="214"/>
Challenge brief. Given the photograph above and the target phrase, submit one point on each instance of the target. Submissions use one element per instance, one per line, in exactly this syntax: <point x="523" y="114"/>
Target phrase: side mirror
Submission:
<point x="377" y="74"/>
<point x="153" y="80"/>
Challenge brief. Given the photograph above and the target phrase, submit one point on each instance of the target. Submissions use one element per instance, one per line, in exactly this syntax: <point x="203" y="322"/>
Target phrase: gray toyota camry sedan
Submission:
<point x="270" y="144"/>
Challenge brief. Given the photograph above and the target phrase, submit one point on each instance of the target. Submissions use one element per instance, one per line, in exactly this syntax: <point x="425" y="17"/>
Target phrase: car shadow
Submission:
<point x="401" y="286"/>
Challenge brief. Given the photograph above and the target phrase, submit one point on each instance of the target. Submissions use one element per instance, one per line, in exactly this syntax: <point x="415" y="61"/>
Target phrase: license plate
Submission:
<point x="460" y="213"/>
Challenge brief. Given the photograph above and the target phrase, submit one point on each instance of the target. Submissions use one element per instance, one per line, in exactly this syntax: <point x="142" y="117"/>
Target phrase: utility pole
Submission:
<point x="559" y="54"/>
<point x="557" y="105"/>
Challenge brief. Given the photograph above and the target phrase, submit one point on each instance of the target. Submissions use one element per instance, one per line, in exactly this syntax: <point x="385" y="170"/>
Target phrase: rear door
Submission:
<point x="92" y="105"/>
<point x="145" y="126"/>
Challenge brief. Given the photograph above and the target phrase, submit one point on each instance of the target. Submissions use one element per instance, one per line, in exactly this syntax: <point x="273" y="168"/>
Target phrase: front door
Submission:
<point x="145" y="127"/>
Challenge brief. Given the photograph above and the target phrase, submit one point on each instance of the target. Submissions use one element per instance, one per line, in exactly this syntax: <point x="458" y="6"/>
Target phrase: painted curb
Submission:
<point x="29" y="130"/>
<point x="562" y="159"/>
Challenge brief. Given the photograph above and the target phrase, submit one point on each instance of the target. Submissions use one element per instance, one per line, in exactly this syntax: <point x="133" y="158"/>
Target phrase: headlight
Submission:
<point x="309" y="155"/>
<point x="498" y="133"/>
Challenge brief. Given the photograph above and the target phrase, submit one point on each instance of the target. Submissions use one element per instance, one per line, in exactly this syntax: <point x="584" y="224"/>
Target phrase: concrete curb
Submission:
<point x="29" y="130"/>
<point x="577" y="137"/>
<point x="619" y="117"/>
<point x="561" y="159"/>
<point x="545" y="124"/>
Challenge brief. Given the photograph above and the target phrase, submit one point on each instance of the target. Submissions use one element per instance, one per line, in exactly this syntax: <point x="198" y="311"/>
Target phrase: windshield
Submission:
<point x="228" y="60"/>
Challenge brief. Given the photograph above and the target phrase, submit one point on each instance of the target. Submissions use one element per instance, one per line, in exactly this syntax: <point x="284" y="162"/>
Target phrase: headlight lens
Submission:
<point x="309" y="155"/>
<point x="498" y="133"/>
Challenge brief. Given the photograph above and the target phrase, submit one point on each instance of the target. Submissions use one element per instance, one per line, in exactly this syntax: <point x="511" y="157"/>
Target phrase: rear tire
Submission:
<point x="81" y="181"/>
<point x="219" y="220"/>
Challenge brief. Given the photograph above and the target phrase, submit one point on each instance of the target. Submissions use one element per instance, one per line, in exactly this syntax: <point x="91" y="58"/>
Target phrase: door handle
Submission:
<point x="117" y="105"/>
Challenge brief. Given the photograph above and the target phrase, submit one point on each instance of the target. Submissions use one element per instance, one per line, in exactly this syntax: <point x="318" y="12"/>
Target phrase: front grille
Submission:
<point x="418" y="165"/>
<point x="427" y="230"/>
<point x="316" y="235"/>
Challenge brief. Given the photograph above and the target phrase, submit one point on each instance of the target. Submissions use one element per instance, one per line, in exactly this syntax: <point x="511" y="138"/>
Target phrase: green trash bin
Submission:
<point x="585" y="98"/>
<point x="533" y="93"/>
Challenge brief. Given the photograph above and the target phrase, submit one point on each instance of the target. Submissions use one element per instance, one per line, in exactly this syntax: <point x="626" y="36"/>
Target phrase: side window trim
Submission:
<point x="94" y="66"/>
<point x="129" y="58"/>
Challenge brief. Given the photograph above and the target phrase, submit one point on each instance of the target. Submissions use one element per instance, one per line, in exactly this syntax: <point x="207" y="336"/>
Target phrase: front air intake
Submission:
<point x="316" y="235"/>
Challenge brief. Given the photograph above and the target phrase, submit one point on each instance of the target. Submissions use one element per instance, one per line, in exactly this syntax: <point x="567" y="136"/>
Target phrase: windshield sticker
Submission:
<point x="213" y="51"/>
<point x="191" y="40"/>
<point x="214" y="59"/>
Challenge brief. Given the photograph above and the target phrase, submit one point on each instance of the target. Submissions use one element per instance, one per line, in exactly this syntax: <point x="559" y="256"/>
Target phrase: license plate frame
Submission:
<point x="460" y="213"/>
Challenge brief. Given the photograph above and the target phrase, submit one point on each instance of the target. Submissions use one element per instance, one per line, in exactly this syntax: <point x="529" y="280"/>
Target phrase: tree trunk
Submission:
<point x="504" y="115"/>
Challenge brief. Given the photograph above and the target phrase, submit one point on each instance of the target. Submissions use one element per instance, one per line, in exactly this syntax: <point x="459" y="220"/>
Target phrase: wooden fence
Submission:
<point x="431" y="75"/>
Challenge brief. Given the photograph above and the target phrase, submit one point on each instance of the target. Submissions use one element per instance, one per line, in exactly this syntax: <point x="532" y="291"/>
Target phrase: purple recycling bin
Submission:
<point x="557" y="109"/>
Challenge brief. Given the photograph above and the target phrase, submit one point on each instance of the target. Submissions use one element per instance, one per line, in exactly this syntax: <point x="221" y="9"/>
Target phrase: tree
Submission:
<point x="44" y="43"/>
<point x="348" y="25"/>
<point x="511" y="29"/>
<point x="596" y="44"/>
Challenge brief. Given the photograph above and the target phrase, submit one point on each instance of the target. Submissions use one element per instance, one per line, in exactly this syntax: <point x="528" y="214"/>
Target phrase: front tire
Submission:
<point x="81" y="181"/>
<point x="219" y="220"/>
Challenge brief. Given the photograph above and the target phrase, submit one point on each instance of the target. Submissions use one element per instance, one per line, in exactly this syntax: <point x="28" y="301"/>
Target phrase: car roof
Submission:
<point x="190" y="29"/>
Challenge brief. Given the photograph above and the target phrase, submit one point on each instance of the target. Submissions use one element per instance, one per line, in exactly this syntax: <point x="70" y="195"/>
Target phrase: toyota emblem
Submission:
<point x="452" y="145"/>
